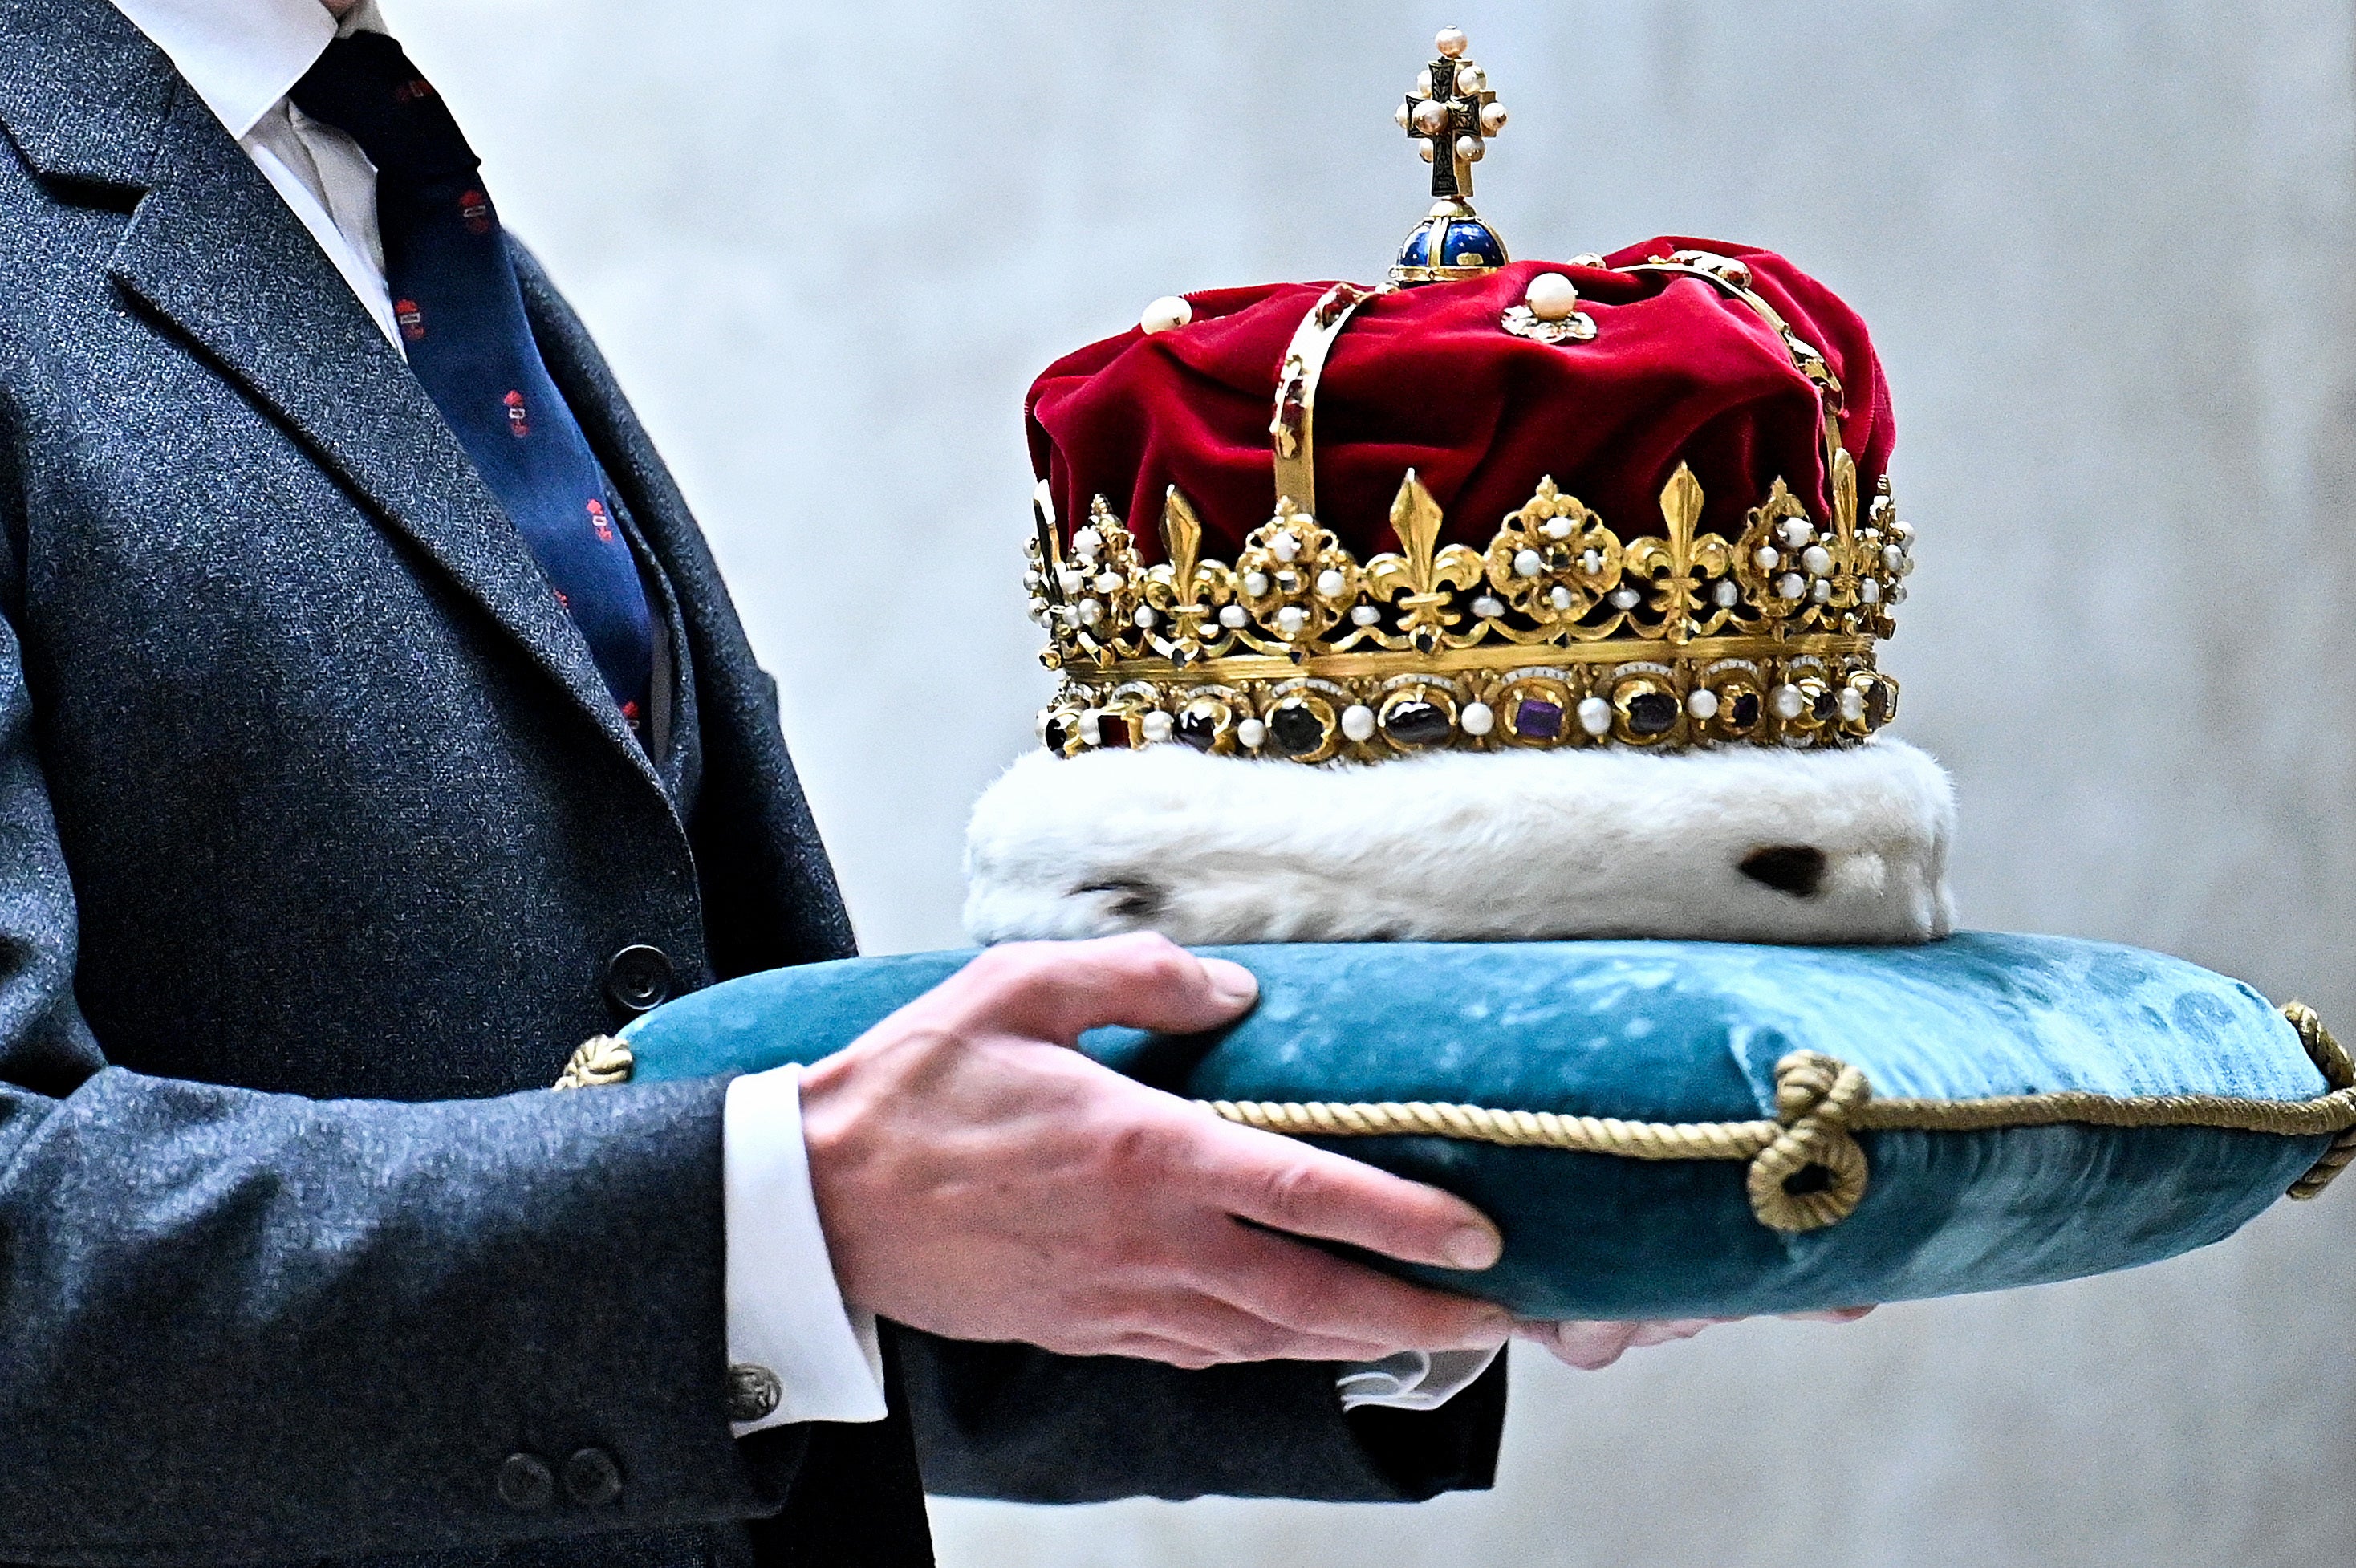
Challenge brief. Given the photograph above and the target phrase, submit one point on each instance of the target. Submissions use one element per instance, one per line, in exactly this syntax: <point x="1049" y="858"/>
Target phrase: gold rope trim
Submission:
<point x="2332" y="1060"/>
<point x="602" y="1060"/>
<point x="1807" y="1170"/>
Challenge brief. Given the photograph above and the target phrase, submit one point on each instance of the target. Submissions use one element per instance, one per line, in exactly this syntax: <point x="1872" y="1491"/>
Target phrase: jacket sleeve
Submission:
<point x="1020" y="1424"/>
<point x="239" y="1326"/>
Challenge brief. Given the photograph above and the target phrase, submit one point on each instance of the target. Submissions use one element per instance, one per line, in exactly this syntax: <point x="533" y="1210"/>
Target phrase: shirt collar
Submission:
<point x="242" y="56"/>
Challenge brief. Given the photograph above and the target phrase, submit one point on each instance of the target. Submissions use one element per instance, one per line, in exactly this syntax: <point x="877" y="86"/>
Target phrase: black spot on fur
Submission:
<point x="1134" y="897"/>
<point x="1794" y="868"/>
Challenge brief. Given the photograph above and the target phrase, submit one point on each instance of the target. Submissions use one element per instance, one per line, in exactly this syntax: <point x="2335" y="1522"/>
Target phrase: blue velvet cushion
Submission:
<point x="1691" y="1032"/>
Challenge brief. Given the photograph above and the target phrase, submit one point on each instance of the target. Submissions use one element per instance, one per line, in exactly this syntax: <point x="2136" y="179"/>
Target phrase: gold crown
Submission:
<point x="1559" y="633"/>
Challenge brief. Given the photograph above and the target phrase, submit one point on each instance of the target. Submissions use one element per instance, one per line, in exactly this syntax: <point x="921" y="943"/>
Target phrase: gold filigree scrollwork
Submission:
<point x="1808" y="577"/>
<point x="1771" y="566"/>
<point x="1038" y="579"/>
<point x="1293" y="580"/>
<point x="1418" y="582"/>
<point x="1100" y="587"/>
<point x="1552" y="563"/>
<point x="1885" y="555"/>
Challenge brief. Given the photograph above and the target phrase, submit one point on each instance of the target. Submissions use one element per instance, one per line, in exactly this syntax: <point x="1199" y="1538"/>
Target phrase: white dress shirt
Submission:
<point x="784" y="1312"/>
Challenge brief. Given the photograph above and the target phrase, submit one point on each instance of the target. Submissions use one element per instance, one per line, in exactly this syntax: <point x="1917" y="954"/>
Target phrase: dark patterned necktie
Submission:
<point x="462" y="320"/>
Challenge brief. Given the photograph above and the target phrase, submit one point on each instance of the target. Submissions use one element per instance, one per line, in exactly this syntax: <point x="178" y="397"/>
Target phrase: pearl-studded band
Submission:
<point x="1557" y="634"/>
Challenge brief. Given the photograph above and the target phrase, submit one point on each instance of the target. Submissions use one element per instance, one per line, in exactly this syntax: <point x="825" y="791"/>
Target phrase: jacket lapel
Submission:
<point x="99" y="112"/>
<point x="212" y="250"/>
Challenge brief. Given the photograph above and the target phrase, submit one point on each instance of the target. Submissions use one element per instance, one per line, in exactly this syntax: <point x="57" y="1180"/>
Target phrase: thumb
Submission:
<point x="1059" y="991"/>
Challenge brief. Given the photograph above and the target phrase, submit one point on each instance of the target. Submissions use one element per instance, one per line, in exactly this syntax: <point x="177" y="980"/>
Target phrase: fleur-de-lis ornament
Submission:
<point x="1186" y="590"/>
<point x="1679" y="565"/>
<point x="1414" y="582"/>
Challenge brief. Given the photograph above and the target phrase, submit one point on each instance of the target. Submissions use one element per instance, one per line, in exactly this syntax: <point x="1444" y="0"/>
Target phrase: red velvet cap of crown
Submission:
<point x="1426" y="378"/>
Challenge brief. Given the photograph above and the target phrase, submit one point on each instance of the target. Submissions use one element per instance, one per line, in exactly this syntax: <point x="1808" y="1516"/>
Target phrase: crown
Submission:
<point x="1686" y="619"/>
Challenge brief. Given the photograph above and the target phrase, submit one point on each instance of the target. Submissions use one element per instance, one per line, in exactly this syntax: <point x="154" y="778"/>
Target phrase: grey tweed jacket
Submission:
<point x="318" y="837"/>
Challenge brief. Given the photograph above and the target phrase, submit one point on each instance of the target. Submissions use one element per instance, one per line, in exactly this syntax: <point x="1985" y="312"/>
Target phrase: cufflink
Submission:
<point x="754" y="1393"/>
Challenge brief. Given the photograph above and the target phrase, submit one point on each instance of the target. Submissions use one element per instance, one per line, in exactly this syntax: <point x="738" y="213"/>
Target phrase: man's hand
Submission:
<point x="1592" y="1347"/>
<point x="978" y="1178"/>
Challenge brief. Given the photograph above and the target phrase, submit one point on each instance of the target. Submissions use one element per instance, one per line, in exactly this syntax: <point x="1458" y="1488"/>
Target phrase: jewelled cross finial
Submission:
<point x="1451" y="113"/>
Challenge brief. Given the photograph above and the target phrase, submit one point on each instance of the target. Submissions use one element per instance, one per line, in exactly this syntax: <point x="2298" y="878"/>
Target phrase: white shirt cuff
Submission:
<point x="789" y="1333"/>
<point x="1413" y="1380"/>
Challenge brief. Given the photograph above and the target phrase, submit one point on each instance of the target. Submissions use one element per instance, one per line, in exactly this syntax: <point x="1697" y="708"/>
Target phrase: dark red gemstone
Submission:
<point x="1296" y="729"/>
<point x="1054" y="735"/>
<point x="1113" y="732"/>
<point x="1746" y="710"/>
<point x="1876" y="705"/>
<point x="1418" y="723"/>
<point x="1538" y="719"/>
<point x="1200" y="731"/>
<point x="1826" y="704"/>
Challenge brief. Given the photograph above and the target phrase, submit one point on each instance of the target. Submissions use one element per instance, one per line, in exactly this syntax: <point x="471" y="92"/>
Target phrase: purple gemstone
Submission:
<point x="1538" y="719"/>
<point x="1652" y="712"/>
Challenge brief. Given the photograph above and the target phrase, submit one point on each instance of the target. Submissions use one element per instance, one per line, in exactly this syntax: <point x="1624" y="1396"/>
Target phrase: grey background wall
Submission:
<point x="2106" y="248"/>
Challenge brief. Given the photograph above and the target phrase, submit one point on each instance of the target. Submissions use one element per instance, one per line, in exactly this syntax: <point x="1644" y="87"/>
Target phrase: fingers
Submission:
<point x="1290" y="1187"/>
<point x="1057" y="991"/>
<point x="1669" y="1330"/>
<point x="1213" y="1332"/>
<point x="1222" y="1333"/>
<point x="1304" y="1290"/>
<point x="1591" y="1347"/>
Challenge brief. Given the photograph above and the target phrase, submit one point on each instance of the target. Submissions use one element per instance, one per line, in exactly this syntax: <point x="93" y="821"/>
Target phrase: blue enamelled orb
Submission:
<point x="1471" y="243"/>
<point x="1465" y="242"/>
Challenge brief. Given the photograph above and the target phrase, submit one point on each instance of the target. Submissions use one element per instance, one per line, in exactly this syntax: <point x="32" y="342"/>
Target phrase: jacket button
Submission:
<point x="525" y="1483"/>
<point x="638" y="979"/>
<point x="592" y="1479"/>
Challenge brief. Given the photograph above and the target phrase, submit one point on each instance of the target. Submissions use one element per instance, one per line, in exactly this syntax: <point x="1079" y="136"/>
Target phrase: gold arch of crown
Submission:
<point x="1559" y="632"/>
